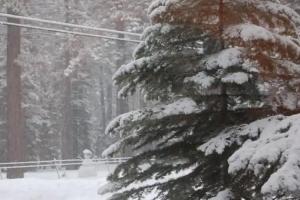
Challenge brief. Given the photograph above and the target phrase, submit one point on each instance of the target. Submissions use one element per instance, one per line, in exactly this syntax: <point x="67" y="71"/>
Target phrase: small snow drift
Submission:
<point x="88" y="168"/>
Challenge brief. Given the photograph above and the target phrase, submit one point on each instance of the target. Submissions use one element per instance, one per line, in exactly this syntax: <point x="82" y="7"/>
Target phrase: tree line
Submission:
<point x="56" y="91"/>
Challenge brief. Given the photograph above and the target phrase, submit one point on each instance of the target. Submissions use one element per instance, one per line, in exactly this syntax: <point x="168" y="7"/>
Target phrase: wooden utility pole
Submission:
<point x="15" y="126"/>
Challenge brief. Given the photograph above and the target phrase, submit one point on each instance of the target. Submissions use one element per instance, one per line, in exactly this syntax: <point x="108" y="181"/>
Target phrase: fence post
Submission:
<point x="56" y="168"/>
<point x="1" y="177"/>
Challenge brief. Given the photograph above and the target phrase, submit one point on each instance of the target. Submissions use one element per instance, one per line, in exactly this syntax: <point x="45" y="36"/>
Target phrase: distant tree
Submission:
<point x="42" y="85"/>
<point x="210" y="66"/>
<point x="39" y="95"/>
<point x="108" y="55"/>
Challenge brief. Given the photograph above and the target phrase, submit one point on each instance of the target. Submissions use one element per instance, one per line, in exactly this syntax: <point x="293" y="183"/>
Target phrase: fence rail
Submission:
<point x="59" y="165"/>
<point x="61" y="162"/>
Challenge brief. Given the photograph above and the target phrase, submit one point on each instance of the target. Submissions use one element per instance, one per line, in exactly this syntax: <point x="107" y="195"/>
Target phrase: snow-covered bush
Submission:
<point x="212" y="67"/>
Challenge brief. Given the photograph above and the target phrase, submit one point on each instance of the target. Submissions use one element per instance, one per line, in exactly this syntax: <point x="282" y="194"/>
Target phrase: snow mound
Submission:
<point x="87" y="169"/>
<point x="40" y="189"/>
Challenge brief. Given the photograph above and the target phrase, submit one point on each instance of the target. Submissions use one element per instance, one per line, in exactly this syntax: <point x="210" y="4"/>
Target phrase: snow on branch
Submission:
<point x="279" y="9"/>
<point x="225" y="139"/>
<point x="266" y="143"/>
<point x="154" y="182"/>
<point x="236" y="134"/>
<point x="224" y="59"/>
<point x="248" y="33"/>
<point x="74" y="62"/>
<point x="238" y="78"/>
<point x="278" y="144"/>
<point x="182" y="106"/>
<point x="202" y="79"/>
<point x="134" y="66"/>
<point x="159" y="6"/>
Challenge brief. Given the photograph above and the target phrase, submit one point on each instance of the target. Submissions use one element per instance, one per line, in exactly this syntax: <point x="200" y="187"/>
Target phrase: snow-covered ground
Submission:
<point x="46" y="186"/>
<point x="41" y="189"/>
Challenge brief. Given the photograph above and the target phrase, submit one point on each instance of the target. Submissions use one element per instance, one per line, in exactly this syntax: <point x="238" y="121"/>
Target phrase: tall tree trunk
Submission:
<point x="142" y="103"/>
<point x="122" y="103"/>
<point x="67" y="134"/>
<point x="103" y="110"/>
<point x="102" y="100"/>
<point x="224" y="96"/>
<point x="15" y="121"/>
<point x="109" y="98"/>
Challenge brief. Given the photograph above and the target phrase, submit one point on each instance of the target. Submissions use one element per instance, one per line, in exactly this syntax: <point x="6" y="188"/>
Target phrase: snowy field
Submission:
<point x="38" y="189"/>
<point x="46" y="186"/>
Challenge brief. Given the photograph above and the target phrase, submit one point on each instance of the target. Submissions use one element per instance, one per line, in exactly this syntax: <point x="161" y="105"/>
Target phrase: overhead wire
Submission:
<point x="69" y="24"/>
<point x="59" y="161"/>
<point x="68" y="32"/>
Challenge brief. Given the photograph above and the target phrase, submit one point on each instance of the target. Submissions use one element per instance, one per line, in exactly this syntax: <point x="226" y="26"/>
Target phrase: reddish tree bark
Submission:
<point x="15" y="121"/>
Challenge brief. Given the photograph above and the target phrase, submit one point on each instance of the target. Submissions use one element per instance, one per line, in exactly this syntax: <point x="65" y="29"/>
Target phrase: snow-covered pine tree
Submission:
<point x="211" y="66"/>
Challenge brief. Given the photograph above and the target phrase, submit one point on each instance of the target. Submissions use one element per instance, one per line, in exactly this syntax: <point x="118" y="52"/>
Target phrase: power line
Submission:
<point x="68" y="24"/>
<point x="68" y="32"/>
<point x="60" y="161"/>
<point x="40" y="34"/>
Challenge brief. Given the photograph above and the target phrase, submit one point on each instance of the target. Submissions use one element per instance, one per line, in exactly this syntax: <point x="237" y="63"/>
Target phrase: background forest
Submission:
<point x="67" y="92"/>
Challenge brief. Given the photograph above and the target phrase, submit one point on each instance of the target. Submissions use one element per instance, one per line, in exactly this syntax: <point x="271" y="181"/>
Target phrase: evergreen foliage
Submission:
<point x="210" y="67"/>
